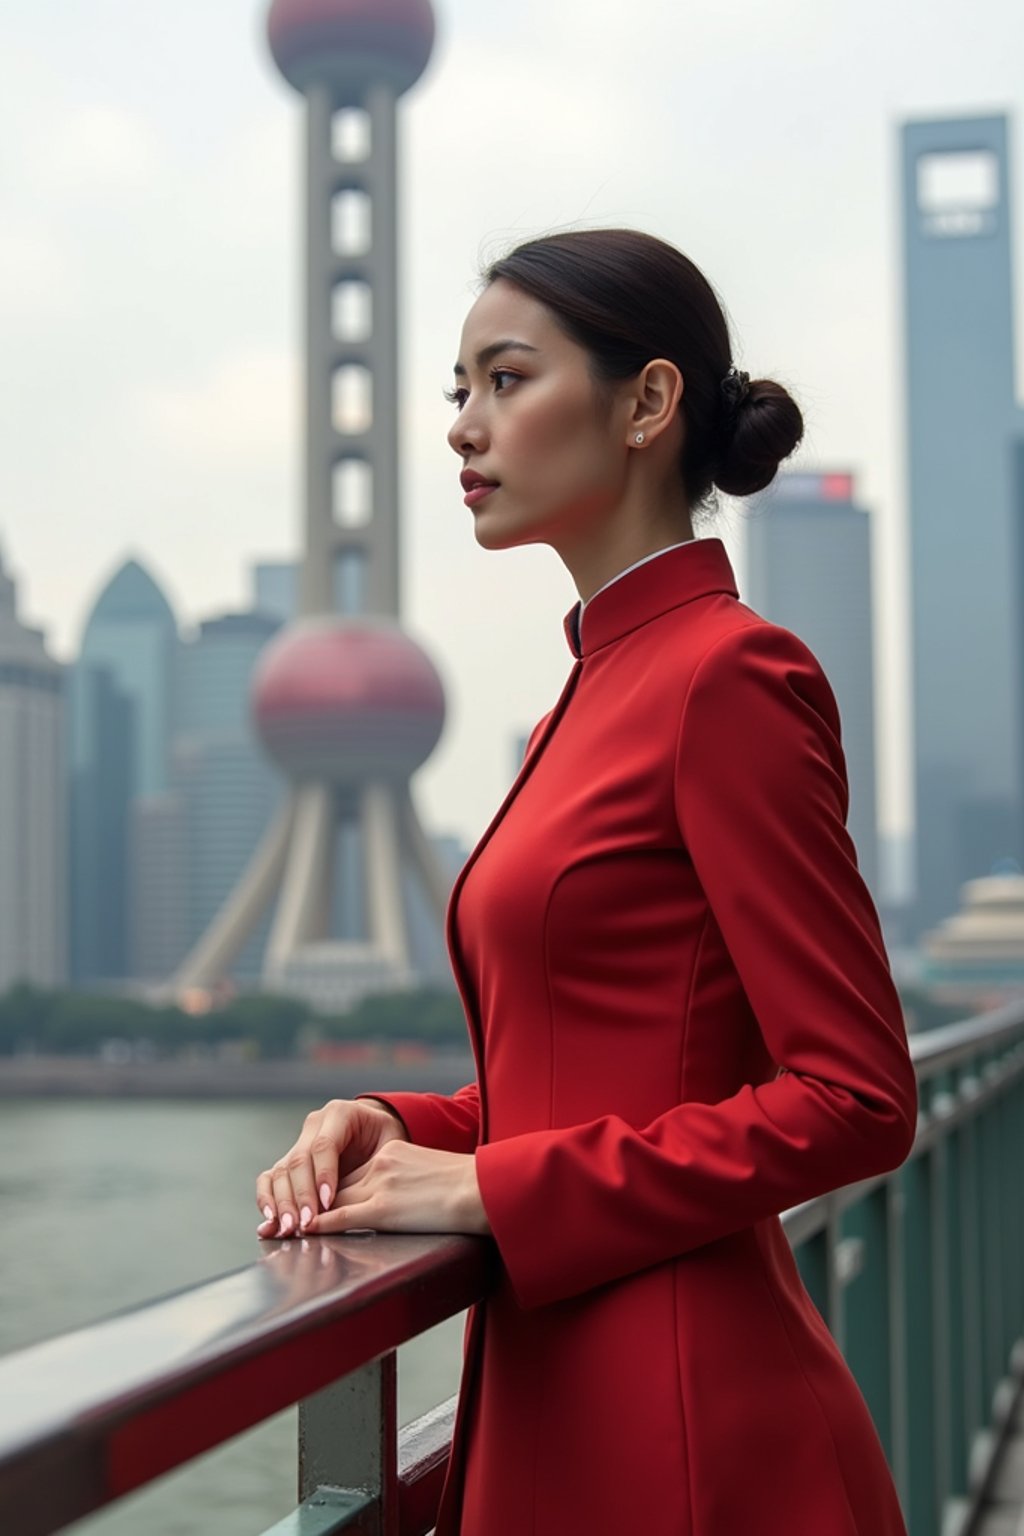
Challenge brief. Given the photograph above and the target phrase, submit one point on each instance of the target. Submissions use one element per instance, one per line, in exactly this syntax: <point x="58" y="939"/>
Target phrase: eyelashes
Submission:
<point x="457" y="396"/>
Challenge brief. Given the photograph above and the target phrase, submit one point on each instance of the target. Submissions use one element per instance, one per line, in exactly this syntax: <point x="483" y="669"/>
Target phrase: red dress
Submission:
<point x="684" y="1023"/>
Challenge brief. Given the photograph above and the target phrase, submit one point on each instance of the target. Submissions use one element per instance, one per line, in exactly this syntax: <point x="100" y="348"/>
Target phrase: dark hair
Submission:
<point x="628" y="297"/>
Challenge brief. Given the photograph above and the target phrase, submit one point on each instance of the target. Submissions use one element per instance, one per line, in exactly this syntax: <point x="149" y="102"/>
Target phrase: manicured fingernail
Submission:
<point x="287" y="1221"/>
<point x="305" y="1216"/>
<point x="325" y="1195"/>
<point x="268" y="1211"/>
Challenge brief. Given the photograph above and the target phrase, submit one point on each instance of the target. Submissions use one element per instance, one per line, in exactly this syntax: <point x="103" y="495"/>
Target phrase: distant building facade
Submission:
<point x="33" y="820"/>
<point x="965" y="551"/>
<point x="227" y="790"/>
<point x="808" y="568"/>
<point x="975" y="958"/>
<point x="121" y="704"/>
<point x="275" y="588"/>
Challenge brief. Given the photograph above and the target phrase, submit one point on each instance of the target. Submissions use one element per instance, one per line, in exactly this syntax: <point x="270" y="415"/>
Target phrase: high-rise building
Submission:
<point x="808" y="568"/>
<point x="228" y="790"/>
<point x="275" y="588"/>
<point x="157" y="876"/>
<point x="33" y="822"/>
<point x="347" y="703"/>
<point x="121" y="705"/>
<point x="966" y="563"/>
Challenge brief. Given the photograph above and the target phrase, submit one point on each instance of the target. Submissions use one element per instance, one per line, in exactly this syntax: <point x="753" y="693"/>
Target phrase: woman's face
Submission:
<point x="530" y="420"/>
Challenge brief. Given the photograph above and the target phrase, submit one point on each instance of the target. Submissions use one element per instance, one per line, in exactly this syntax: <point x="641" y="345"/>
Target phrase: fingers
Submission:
<point x="325" y="1149"/>
<point x="284" y="1197"/>
<point x="290" y="1194"/>
<point x="354" y="1208"/>
<point x="306" y="1180"/>
<point x="348" y="1218"/>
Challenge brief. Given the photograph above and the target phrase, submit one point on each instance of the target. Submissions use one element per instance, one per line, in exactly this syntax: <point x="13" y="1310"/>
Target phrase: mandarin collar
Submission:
<point x="695" y="569"/>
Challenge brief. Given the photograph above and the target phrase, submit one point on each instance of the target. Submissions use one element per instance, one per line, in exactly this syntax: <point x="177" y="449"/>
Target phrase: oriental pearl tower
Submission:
<point x="344" y="701"/>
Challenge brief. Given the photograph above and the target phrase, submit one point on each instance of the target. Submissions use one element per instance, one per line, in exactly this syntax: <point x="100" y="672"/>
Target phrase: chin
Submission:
<point x="496" y="531"/>
<point x="490" y="534"/>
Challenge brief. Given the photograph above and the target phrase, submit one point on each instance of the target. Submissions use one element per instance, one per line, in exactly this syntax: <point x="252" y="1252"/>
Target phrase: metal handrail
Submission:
<point x="949" y="1045"/>
<point x="92" y="1414"/>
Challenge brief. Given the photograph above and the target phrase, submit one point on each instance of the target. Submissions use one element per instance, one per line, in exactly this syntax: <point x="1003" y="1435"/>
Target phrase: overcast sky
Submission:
<point x="150" y="302"/>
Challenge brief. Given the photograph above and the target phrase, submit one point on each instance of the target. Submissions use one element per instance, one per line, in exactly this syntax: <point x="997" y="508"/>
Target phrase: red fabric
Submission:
<point x="684" y="1023"/>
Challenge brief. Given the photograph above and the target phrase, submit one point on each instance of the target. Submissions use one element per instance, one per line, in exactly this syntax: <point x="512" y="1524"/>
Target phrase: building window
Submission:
<point x="958" y="192"/>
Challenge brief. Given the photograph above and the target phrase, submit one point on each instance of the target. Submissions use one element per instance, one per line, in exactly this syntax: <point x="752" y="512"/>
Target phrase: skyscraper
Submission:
<point x="966" y="564"/>
<point x="275" y="588"/>
<point x="33" y="821"/>
<point x="228" y="790"/>
<point x="808" y="567"/>
<point x="346" y="702"/>
<point x="121" y="701"/>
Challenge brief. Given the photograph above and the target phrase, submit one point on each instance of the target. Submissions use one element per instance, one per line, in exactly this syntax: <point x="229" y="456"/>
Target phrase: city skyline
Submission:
<point x="126" y="222"/>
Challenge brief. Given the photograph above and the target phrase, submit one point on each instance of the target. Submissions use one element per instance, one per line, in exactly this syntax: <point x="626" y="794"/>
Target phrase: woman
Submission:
<point x="673" y="974"/>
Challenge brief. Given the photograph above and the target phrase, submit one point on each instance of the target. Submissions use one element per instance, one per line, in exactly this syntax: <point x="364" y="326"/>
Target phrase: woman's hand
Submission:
<point x="335" y="1142"/>
<point x="408" y="1188"/>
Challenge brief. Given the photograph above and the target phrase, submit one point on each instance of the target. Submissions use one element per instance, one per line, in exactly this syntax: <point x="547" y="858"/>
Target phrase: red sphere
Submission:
<point x="338" y="39"/>
<point x="345" y="700"/>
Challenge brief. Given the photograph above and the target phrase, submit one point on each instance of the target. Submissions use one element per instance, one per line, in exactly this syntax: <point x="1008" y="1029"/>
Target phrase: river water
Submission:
<point x="107" y="1203"/>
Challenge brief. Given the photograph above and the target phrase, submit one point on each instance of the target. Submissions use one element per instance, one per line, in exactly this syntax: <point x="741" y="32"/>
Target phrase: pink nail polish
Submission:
<point x="305" y="1216"/>
<point x="325" y="1195"/>
<point x="287" y="1221"/>
<point x="268" y="1211"/>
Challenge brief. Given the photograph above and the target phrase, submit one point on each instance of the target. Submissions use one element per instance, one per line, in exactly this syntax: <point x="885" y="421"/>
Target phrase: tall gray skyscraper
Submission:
<point x="808" y="567"/>
<point x="33" y="823"/>
<point x="966" y="563"/>
<point x="121" y="700"/>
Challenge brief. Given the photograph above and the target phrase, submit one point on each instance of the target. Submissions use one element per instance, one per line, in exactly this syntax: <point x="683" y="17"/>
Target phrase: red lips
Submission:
<point x="471" y="480"/>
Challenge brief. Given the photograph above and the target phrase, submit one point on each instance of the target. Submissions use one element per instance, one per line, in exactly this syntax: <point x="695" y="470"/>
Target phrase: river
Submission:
<point x="107" y="1203"/>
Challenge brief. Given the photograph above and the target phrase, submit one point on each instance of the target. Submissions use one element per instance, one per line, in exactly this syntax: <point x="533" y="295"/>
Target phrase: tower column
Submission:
<point x="346" y="703"/>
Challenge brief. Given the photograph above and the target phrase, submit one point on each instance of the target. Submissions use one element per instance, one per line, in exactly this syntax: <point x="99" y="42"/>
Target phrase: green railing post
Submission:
<point x="867" y="1323"/>
<point x="970" y="1322"/>
<point x="990" y="1173"/>
<point x="923" y="1398"/>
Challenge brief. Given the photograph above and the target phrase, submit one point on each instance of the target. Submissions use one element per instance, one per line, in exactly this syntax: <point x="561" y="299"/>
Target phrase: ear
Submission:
<point x="655" y="396"/>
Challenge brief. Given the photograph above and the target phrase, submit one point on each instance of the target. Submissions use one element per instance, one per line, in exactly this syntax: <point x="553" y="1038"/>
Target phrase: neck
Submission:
<point x="592" y="561"/>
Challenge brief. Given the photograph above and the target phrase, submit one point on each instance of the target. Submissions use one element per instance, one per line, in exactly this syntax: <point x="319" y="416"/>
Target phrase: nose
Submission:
<point x="466" y="433"/>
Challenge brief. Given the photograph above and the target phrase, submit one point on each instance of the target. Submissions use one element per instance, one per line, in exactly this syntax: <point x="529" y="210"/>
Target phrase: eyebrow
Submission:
<point x="486" y="353"/>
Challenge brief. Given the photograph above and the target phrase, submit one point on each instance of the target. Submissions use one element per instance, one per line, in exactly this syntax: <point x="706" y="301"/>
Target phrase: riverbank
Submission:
<point x="186" y="1078"/>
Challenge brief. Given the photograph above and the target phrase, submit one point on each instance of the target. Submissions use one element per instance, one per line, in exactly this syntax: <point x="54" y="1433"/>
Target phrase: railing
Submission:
<point x="920" y="1275"/>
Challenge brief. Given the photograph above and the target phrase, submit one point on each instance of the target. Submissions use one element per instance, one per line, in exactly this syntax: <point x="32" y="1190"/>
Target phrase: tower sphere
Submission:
<point x="343" y="699"/>
<point x="351" y="41"/>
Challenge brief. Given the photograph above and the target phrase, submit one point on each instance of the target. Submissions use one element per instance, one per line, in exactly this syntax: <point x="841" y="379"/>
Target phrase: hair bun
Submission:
<point x="760" y="426"/>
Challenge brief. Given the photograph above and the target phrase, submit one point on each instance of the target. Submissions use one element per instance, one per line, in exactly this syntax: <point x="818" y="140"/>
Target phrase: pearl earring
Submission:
<point x="639" y="437"/>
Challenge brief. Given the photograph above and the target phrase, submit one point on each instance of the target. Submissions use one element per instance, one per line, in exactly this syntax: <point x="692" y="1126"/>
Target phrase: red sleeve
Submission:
<point x="761" y="800"/>
<point x="450" y="1122"/>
